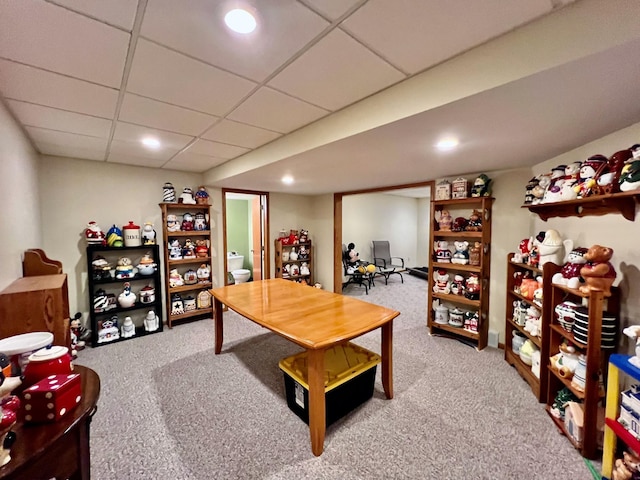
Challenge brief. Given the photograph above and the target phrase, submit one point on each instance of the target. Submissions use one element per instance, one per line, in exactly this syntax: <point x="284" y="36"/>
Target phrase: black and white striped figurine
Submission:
<point x="168" y="193"/>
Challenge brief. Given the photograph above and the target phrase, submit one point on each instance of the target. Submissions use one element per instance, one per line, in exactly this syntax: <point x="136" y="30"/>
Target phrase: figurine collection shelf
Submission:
<point x="478" y="304"/>
<point x="622" y="202"/>
<point x="198" y="233"/>
<point x="596" y="359"/>
<point x="113" y="285"/>
<point x="282" y="260"/>
<point x="538" y="384"/>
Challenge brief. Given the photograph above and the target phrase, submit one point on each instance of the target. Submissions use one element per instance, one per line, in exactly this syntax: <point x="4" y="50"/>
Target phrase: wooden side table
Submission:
<point x="59" y="449"/>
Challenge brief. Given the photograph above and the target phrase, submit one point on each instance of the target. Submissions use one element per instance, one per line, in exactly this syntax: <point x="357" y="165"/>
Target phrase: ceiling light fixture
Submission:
<point x="240" y="21"/>
<point x="151" y="142"/>
<point x="287" y="179"/>
<point x="447" y="144"/>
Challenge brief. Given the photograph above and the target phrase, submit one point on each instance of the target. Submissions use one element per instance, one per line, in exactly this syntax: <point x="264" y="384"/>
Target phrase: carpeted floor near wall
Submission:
<point x="171" y="409"/>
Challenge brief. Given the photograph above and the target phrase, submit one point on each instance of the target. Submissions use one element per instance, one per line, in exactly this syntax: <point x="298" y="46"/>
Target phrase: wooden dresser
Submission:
<point x="36" y="304"/>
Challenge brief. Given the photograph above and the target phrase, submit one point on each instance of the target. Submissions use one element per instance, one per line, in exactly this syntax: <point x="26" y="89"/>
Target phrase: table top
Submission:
<point x="311" y="317"/>
<point x="33" y="440"/>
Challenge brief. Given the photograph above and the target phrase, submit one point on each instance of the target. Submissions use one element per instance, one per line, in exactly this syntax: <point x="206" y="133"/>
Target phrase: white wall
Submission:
<point x="424" y="222"/>
<point x="74" y="192"/>
<point x="611" y="230"/>
<point x="20" y="228"/>
<point x="378" y="216"/>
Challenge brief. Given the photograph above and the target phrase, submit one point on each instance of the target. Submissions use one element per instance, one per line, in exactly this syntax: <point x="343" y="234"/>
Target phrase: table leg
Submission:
<point x="387" y="358"/>
<point x="317" y="419"/>
<point x="217" y="315"/>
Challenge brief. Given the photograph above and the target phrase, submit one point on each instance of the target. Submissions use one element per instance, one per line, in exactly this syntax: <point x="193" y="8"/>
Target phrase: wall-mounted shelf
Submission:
<point x="623" y="203"/>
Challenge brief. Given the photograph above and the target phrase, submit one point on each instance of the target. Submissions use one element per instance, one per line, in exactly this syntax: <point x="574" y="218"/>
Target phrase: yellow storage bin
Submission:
<point x="350" y="372"/>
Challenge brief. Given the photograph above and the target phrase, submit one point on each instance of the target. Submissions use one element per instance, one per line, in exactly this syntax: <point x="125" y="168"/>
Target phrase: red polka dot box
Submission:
<point x="51" y="398"/>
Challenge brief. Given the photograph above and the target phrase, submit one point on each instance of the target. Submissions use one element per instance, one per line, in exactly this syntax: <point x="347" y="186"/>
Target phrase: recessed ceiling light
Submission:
<point x="151" y="142"/>
<point x="240" y="21"/>
<point x="447" y="144"/>
<point x="287" y="179"/>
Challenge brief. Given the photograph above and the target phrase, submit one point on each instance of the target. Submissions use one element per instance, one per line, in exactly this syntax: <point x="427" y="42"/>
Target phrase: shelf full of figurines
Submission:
<point x="130" y="235"/>
<point x="105" y="271"/>
<point x="197" y="249"/>
<point x="459" y="226"/>
<point x="186" y="304"/>
<point x="596" y="185"/>
<point x="187" y="197"/>
<point x="464" y="253"/>
<point x="456" y="317"/>
<point x="459" y="188"/>
<point x="113" y="328"/>
<point x="197" y="223"/>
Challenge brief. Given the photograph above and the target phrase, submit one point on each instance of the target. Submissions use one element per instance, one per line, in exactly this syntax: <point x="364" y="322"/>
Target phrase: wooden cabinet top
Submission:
<point x="39" y="282"/>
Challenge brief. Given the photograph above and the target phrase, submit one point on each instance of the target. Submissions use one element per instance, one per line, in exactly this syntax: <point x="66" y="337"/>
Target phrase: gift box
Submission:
<point x="51" y="398"/>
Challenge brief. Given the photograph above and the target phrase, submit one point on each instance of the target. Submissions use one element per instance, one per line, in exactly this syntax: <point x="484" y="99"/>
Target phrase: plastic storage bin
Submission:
<point x="350" y="373"/>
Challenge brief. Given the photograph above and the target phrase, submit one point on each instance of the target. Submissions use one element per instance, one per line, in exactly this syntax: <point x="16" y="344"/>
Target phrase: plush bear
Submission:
<point x="598" y="273"/>
<point x="461" y="255"/>
<point x="569" y="275"/>
<point x="353" y="257"/>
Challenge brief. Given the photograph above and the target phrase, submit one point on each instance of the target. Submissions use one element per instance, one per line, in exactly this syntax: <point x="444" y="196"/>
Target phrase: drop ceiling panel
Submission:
<point x="52" y="118"/>
<point x="56" y="39"/>
<point x="115" y="12"/>
<point x="193" y="162"/>
<point x="20" y="82"/>
<point x="71" y="151"/>
<point x="120" y="148"/>
<point x="215" y="149"/>
<point x="53" y="137"/>
<point x="336" y="72"/>
<point x="197" y="28"/>
<point x="416" y="34"/>
<point x="165" y="75"/>
<point x="117" y="156"/>
<point x="332" y="8"/>
<point x="241" y="134"/>
<point x="134" y="134"/>
<point x="273" y="110"/>
<point x="152" y="113"/>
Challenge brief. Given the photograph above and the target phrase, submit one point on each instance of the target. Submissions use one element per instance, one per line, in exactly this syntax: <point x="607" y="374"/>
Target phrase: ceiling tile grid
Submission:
<point x="336" y="72"/>
<point x="32" y="115"/>
<point x="273" y="110"/>
<point x="197" y="28"/>
<point x="29" y="84"/>
<point x="120" y="13"/>
<point x="240" y="134"/>
<point x="216" y="149"/>
<point x="166" y="75"/>
<point x="44" y="35"/>
<point x="163" y="116"/>
<point x="193" y="162"/>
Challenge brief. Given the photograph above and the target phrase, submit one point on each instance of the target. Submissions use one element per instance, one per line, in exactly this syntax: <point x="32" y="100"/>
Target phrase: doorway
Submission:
<point x="414" y="191"/>
<point x="245" y="219"/>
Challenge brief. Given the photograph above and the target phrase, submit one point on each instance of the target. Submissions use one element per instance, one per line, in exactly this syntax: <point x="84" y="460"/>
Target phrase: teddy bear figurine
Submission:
<point x="461" y="255"/>
<point x="598" y="272"/>
<point x="475" y="222"/>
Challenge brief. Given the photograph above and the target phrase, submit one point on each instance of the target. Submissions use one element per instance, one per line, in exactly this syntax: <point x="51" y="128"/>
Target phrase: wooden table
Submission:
<point x="59" y="449"/>
<point x="315" y="320"/>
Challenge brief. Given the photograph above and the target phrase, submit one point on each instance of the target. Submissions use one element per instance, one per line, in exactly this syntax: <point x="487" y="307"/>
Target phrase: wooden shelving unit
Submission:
<point x="115" y="285"/>
<point x="184" y="264"/>
<point x="283" y="251"/>
<point x="462" y="207"/>
<point x="596" y="359"/>
<point x="623" y="203"/>
<point x="538" y="385"/>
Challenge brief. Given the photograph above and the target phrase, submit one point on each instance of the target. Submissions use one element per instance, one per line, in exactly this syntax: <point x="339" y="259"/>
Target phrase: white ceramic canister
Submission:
<point x="131" y="235"/>
<point x="442" y="315"/>
<point x="456" y="317"/>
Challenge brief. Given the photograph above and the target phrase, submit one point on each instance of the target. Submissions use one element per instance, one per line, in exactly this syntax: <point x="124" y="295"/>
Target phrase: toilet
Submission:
<point x="234" y="266"/>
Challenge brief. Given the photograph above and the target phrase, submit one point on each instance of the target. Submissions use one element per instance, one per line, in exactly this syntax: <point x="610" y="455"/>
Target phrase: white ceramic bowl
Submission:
<point x="19" y="347"/>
